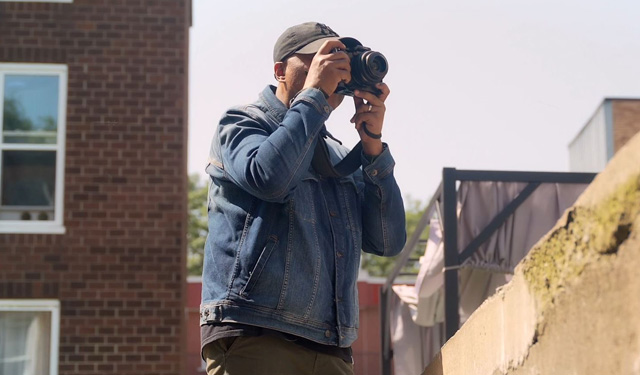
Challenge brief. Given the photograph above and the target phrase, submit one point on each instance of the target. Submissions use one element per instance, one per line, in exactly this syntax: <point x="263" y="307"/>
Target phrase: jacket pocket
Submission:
<point x="254" y="275"/>
<point x="350" y="182"/>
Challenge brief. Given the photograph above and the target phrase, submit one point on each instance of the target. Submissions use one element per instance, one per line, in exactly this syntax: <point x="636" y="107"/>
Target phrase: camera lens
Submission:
<point x="370" y="68"/>
<point x="376" y="64"/>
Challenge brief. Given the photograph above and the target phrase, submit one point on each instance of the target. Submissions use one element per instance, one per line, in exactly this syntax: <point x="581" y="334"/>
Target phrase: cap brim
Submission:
<point x="314" y="46"/>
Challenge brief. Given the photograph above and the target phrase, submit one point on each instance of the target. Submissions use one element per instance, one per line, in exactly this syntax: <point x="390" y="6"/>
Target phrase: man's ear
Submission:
<point x="278" y="71"/>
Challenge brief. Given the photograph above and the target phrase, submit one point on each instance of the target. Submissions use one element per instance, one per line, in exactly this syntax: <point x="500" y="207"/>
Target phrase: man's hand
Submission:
<point x="328" y="68"/>
<point x="371" y="115"/>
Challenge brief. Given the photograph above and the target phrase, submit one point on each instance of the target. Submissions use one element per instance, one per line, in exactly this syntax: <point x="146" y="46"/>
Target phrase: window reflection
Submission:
<point x="28" y="185"/>
<point x="30" y="113"/>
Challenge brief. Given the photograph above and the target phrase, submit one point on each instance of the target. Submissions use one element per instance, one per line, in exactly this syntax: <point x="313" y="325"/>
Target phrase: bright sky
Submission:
<point x="492" y="84"/>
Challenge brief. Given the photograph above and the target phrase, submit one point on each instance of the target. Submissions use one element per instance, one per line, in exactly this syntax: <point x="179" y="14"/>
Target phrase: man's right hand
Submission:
<point x="328" y="68"/>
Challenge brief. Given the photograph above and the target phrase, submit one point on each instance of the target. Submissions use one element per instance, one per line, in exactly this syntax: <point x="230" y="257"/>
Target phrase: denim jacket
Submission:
<point x="283" y="250"/>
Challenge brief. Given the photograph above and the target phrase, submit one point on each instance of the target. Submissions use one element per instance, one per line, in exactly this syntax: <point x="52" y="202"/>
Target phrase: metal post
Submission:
<point x="385" y="334"/>
<point x="385" y="291"/>
<point x="451" y="261"/>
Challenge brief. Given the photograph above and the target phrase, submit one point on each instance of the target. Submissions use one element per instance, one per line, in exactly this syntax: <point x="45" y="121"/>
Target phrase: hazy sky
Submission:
<point x="500" y="85"/>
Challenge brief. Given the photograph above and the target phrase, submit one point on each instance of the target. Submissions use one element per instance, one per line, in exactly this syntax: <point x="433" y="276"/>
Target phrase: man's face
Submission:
<point x="296" y="70"/>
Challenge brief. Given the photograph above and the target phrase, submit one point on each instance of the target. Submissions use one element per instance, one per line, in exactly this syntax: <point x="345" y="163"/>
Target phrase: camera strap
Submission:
<point x="321" y="161"/>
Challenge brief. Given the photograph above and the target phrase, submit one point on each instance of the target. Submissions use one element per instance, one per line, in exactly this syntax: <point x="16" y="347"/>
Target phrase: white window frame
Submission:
<point x="55" y="226"/>
<point x="40" y="305"/>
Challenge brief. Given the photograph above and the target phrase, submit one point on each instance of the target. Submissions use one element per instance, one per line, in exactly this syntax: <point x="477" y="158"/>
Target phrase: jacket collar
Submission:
<point x="273" y="105"/>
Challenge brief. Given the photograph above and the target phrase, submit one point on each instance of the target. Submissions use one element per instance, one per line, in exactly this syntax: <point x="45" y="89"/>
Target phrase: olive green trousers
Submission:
<point x="269" y="355"/>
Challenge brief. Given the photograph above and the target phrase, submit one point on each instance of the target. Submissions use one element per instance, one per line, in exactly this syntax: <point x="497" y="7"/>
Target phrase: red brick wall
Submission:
<point x="192" y="311"/>
<point x="119" y="270"/>
<point x="626" y="121"/>
<point x="367" y="350"/>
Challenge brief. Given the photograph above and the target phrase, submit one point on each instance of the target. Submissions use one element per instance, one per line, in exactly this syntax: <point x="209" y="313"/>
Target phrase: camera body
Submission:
<point x="368" y="68"/>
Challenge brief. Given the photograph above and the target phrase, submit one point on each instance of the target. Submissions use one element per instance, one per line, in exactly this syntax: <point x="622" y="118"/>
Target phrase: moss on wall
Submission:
<point x="587" y="234"/>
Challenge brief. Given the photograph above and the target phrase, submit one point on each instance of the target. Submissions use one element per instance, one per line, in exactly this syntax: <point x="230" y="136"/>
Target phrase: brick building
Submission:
<point x="93" y="180"/>
<point x="614" y="123"/>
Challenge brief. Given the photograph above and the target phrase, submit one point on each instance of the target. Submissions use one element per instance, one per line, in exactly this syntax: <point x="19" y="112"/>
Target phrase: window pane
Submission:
<point x="28" y="185"/>
<point x="30" y="112"/>
<point x="25" y="342"/>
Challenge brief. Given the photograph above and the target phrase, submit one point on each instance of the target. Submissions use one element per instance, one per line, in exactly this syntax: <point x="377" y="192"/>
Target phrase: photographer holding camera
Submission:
<point x="290" y="209"/>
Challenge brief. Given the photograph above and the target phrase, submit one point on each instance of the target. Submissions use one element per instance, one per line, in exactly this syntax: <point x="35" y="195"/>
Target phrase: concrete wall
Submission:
<point x="573" y="306"/>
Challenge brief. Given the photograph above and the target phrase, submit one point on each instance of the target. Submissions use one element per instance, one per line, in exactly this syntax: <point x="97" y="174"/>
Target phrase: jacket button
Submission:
<point x="339" y="254"/>
<point x="327" y="333"/>
<point x="374" y="172"/>
<point x="327" y="109"/>
<point x="333" y="213"/>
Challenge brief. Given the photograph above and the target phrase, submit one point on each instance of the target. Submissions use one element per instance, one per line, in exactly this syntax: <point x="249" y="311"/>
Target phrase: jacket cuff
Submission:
<point x="380" y="167"/>
<point x="314" y="97"/>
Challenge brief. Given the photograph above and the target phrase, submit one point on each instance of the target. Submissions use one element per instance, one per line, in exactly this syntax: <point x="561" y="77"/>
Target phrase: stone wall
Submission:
<point x="573" y="306"/>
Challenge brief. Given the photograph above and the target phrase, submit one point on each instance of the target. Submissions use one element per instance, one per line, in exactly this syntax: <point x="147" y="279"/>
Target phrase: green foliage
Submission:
<point x="49" y="123"/>
<point x="413" y="212"/>
<point x="382" y="266"/>
<point x="197" y="231"/>
<point x="14" y="119"/>
<point x="13" y="116"/>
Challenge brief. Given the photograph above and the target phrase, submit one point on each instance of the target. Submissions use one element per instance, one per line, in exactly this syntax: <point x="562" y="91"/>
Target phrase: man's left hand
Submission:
<point x="372" y="113"/>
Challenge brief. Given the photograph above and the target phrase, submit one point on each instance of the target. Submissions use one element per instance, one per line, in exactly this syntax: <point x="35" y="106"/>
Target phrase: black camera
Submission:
<point x="368" y="68"/>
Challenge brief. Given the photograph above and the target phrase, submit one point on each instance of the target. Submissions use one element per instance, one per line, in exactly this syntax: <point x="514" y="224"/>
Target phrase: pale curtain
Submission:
<point x="24" y="342"/>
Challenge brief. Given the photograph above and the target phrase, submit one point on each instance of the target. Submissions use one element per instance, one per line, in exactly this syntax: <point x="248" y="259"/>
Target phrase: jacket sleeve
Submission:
<point x="269" y="164"/>
<point x="383" y="216"/>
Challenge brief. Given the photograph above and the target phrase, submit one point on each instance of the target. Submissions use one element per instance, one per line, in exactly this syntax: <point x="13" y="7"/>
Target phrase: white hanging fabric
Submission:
<point x="418" y="311"/>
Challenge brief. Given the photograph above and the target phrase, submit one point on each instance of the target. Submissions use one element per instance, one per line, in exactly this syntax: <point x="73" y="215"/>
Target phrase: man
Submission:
<point x="282" y="256"/>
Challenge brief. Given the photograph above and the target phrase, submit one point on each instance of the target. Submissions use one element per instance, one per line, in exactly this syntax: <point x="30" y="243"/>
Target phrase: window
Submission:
<point x="32" y="141"/>
<point x="30" y="335"/>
